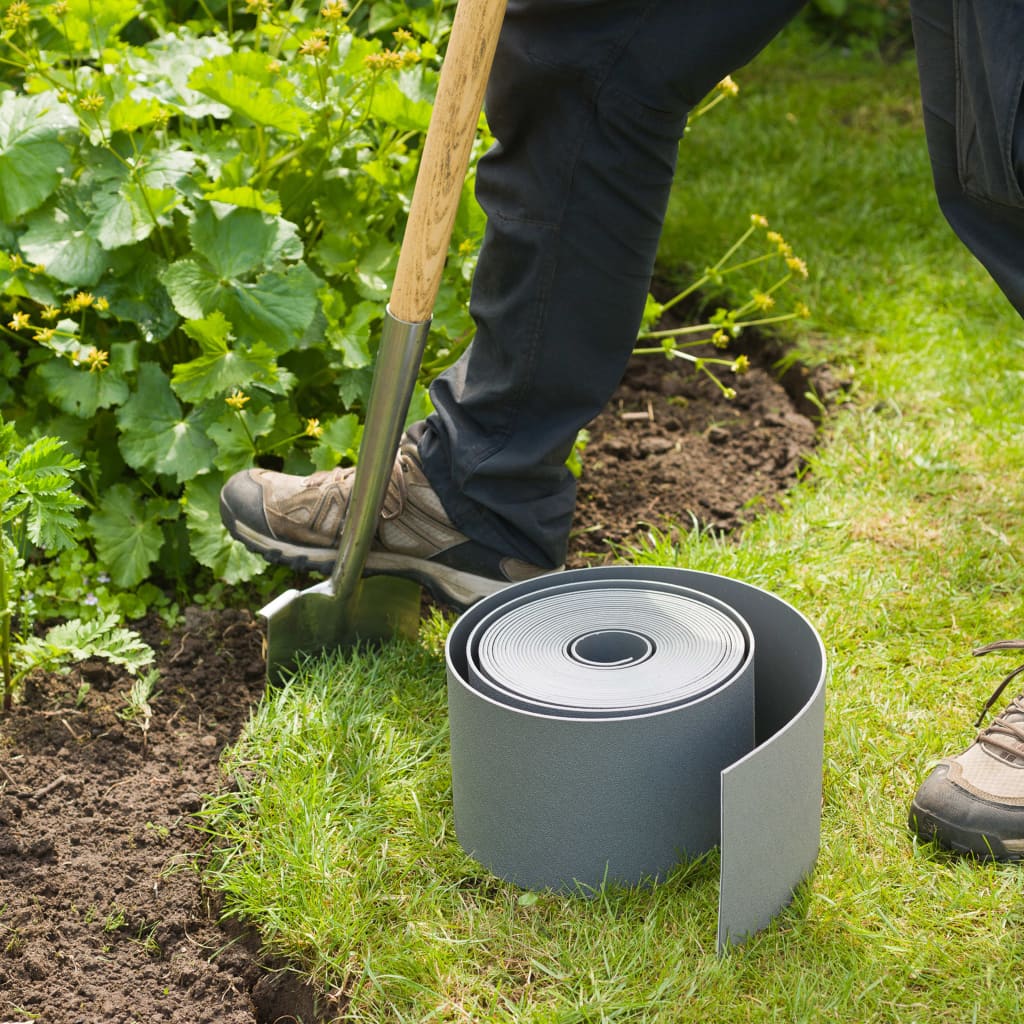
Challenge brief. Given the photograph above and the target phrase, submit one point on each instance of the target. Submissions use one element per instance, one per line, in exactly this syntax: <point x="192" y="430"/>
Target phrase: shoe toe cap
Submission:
<point x="961" y="820"/>
<point x="241" y="500"/>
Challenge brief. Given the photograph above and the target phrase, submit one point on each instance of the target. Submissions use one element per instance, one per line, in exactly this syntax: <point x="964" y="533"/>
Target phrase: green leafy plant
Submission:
<point x="728" y="322"/>
<point x="199" y="219"/>
<point x="37" y="506"/>
<point x="138" y="710"/>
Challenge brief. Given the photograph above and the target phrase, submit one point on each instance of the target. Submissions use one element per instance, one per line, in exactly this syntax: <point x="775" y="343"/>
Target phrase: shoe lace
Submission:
<point x="1004" y="733"/>
<point x="397" y="489"/>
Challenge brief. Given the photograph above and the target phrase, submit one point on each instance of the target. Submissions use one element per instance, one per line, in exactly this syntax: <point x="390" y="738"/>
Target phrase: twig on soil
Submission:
<point x="248" y="626"/>
<point x="48" y="788"/>
<point x="181" y="649"/>
<point x="3" y="771"/>
<point x="121" y="782"/>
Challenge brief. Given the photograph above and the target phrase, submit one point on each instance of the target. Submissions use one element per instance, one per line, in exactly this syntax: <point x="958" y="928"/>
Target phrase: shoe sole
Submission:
<point x="448" y="585"/>
<point x="932" y="828"/>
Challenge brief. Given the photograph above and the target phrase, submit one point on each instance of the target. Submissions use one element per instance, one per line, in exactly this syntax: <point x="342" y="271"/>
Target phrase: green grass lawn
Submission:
<point x="902" y="545"/>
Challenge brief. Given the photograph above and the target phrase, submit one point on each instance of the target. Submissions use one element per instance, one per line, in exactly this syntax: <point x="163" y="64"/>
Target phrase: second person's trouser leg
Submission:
<point x="588" y="100"/>
<point x="971" y="61"/>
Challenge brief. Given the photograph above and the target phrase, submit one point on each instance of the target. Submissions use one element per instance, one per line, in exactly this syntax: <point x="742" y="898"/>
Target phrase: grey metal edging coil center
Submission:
<point x="607" y="723"/>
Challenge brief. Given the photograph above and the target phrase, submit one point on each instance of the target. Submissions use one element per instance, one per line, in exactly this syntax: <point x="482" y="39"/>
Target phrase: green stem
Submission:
<point x="748" y="263"/>
<point x="5" y="636"/>
<point x="719" y="269"/>
<point x="676" y="332"/>
<point x="245" y="427"/>
<point x="689" y="290"/>
<point x="710" y="105"/>
<point x="678" y="353"/>
<point x="729" y="252"/>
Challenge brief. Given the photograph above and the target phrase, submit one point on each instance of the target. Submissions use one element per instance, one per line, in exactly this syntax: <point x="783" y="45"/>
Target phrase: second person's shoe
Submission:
<point x="974" y="803"/>
<point x="296" y="521"/>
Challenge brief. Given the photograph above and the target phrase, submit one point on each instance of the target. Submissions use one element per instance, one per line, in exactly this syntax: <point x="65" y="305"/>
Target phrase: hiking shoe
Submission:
<point x="296" y="521"/>
<point x="974" y="803"/>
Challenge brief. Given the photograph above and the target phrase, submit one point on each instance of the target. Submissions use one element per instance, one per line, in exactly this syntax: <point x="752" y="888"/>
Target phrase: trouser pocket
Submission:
<point x="989" y="36"/>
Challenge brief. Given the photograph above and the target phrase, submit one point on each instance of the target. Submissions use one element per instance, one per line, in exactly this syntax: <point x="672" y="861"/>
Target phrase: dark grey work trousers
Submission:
<point x="588" y="100"/>
<point x="970" y="54"/>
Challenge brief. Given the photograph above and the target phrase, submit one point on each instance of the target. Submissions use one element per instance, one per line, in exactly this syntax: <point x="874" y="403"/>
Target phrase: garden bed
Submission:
<point x="102" y="913"/>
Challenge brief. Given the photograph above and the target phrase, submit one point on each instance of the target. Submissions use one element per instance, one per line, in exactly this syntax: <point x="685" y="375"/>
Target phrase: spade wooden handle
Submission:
<point x="442" y="171"/>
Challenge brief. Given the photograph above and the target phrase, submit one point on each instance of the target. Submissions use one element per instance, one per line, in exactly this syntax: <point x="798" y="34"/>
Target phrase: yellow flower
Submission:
<point x="385" y="60"/>
<point x="60" y="8"/>
<point x="402" y="35"/>
<point x="50" y="312"/>
<point x="740" y="365"/>
<point x="237" y="399"/>
<point x="797" y="264"/>
<point x="762" y="300"/>
<point x="775" y="238"/>
<point x="16" y="261"/>
<point x="466" y="246"/>
<point x="19" y="321"/>
<point x="102" y="304"/>
<point x="315" y="45"/>
<point x="720" y="339"/>
<point x="83" y="300"/>
<point x="97" y="359"/>
<point x="91" y="102"/>
<point x="332" y="10"/>
<point x="313" y="428"/>
<point x="728" y="392"/>
<point x="44" y="335"/>
<point x="728" y="86"/>
<point x="274" y="66"/>
<point x="759" y="221"/>
<point x="802" y="311"/>
<point x="18" y="14"/>
<point x="257" y="6"/>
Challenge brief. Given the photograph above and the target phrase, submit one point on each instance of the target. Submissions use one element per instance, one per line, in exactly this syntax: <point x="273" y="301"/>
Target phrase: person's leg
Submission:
<point x="588" y="101"/>
<point x="971" y="61"/>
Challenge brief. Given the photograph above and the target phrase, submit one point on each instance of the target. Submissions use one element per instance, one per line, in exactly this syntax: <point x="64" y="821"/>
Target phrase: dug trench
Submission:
<point x="103" y="914"/>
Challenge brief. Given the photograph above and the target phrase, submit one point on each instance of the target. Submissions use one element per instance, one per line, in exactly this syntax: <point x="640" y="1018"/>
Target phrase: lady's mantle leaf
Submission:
<point x="219" y="368"/>
<point x="129" y="202"/>
<point x="247" y="83"/>
<point x="128" y="540"/>
<point x="88" y="26"/>
<point x="60" y="237"/>
<point x="32" y="159"/>
<point x="211" y="543"/>
<point x="156" y="436"/>
<point x="163" y="70"/>
<point x="234" y="433"/>
<point x="236" y="241"/>
<point x="76" y="390"/>
<point x="275" y="308"/>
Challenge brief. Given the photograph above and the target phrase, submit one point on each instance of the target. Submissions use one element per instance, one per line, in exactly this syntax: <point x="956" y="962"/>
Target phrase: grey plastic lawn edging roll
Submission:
<point x="608" y="723"/>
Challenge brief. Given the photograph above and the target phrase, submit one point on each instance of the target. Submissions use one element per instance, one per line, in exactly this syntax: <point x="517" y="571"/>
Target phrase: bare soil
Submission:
<point x="103" y="916"/>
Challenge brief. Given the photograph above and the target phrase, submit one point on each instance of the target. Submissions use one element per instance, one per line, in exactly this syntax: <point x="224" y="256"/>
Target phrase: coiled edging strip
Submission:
<point x="569" y="797"/>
